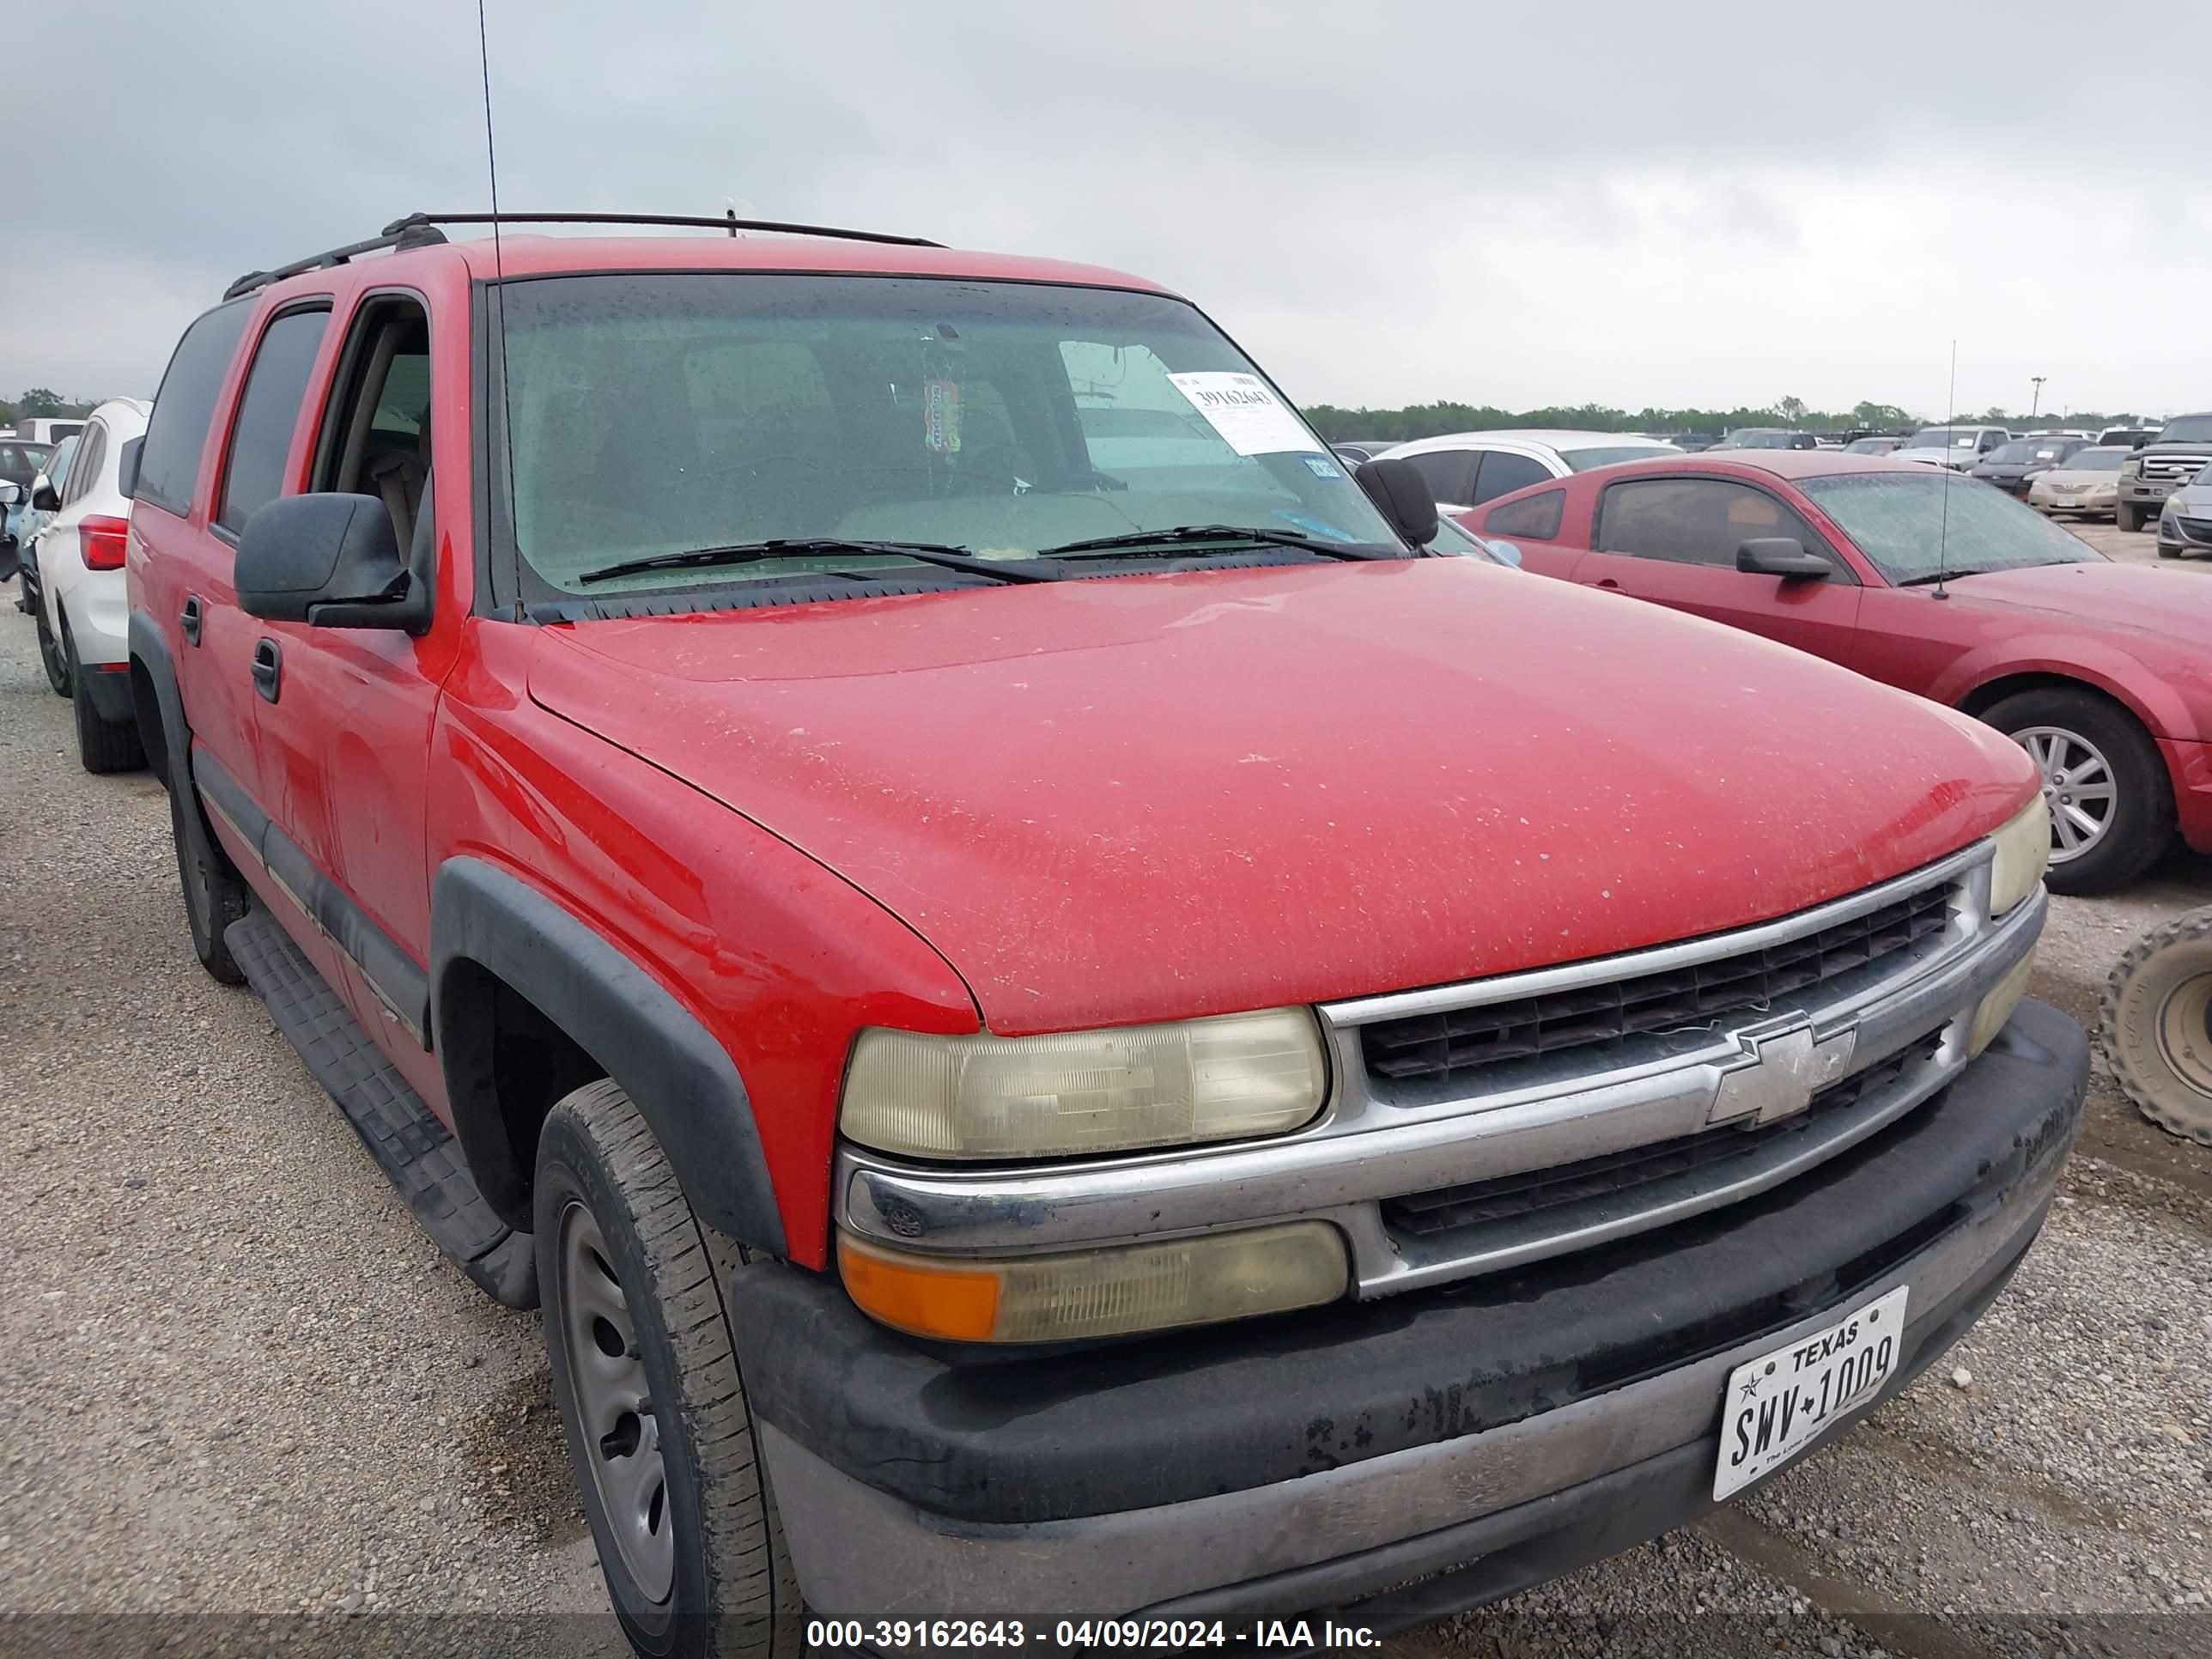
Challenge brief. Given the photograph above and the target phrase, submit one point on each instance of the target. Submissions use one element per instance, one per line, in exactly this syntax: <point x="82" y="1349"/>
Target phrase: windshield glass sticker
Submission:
<point x="1322" y="467"/>
<point x="1313" y="527"/>
<point x="1251" y="419"/>
<point x="940" y="415"/>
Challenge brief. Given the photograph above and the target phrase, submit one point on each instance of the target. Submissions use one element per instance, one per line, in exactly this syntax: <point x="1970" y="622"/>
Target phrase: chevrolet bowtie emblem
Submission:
<point x="1784" y="1069"/>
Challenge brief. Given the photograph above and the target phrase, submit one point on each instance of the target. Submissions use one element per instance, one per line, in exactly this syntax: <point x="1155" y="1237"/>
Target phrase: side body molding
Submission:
<point x="682" y="1080"/>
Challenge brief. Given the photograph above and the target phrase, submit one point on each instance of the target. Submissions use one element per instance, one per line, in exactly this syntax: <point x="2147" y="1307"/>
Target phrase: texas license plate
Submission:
<point x="1777" y="1404"/>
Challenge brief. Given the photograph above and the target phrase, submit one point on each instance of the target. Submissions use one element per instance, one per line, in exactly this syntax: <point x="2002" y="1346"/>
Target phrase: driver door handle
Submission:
<point x="268" y="670"/>
<point x="188" y="619"/>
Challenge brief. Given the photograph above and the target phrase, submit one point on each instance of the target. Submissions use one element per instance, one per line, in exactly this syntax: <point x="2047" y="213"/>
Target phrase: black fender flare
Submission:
<point x="683" y="1082"/>
<point x="156" y="701"/>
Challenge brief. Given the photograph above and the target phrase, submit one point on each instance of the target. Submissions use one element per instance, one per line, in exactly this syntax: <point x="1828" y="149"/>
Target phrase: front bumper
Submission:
<point x="2136" y="492"/>
<point x="1495" y="1431"/>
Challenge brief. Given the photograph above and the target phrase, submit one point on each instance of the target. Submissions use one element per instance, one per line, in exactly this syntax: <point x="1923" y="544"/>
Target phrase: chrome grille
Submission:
<point x="1457" y="1043"/>
<point x="1473" y="1203"/>
<point x="2163" y="467"/>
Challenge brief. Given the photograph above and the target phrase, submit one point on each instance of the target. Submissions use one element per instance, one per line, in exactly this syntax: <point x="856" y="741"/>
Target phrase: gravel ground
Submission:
<point x="243" y="1384"/>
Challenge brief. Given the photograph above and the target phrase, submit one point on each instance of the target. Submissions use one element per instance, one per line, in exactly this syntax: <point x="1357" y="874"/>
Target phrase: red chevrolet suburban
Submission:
<point x="1061" y="1023"/>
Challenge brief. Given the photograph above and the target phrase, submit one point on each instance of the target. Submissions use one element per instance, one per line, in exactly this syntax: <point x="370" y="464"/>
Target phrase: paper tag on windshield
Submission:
<point x="1251" y="419"/>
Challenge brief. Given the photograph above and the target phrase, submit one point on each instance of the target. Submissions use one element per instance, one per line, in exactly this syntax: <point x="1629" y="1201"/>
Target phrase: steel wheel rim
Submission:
<point x="620" y="1436"/>
<point x="2185" y="1031"/>
<point x="2078" y="787"/>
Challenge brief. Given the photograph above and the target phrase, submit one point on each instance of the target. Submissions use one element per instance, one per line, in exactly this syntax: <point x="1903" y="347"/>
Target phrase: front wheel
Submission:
<point x="2127" y="516"/>
<point x="2111" y="807"/>
<point x="652" y="1396"/>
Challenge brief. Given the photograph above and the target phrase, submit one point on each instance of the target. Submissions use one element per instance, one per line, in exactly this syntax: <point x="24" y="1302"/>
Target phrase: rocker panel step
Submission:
<point x="415" y="1151"/>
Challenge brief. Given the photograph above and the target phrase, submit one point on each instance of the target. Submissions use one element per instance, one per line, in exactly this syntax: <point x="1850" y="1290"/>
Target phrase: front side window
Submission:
<point x="1536" y="517"/>
<point x="268" y="411"/>
<point x="58" y="467"/>
<point x="1913" y="525"/>
<point x="1693" y="520"/>
<point x="176" y="435"/>
<point x="657" y="416"/>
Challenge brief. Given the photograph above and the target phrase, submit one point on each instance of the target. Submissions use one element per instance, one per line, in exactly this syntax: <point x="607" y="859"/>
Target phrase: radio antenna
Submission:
<point x="1950" y="414"/>
<point x="499" y="274"/>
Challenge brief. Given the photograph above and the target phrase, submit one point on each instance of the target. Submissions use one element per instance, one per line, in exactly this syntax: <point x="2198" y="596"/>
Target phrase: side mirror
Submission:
<point x="127" y="469"/>
<point x="44" y="496"/>
<point x="1398" y="489"/>
<point x="330" y="560"/>
<point x="1782" y="555"/>
<point x="11" y="494"/>
<point x="1506" y="552"/>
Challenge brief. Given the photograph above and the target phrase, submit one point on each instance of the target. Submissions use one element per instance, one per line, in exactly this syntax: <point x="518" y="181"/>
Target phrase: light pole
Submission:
<point x="2036" y="402"/>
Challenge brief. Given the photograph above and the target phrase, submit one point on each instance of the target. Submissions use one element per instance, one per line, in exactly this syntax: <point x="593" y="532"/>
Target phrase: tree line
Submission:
<point x="42" y="402"/>
<point x="1428" y="420"/>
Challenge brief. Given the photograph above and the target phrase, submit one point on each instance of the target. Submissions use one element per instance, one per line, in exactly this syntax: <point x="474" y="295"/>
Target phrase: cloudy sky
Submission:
<point x="1387" y="203"/>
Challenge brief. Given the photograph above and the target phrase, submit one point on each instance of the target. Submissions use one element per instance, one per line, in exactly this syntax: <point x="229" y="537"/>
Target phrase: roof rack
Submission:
<point x="728" y="222"/>
<point x="403" y="234"/>
<point x="420" y="230"/>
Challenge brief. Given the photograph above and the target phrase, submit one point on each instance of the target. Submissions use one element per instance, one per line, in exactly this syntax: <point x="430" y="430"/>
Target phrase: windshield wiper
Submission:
<point x="950" y="558"/>
<point x="1931" y="577"/>
<point x="1174" y="544"/>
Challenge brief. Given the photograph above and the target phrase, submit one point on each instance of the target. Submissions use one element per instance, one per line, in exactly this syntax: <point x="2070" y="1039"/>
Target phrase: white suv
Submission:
<point x="79" y="555"/>
<point x="1465" y="469"/>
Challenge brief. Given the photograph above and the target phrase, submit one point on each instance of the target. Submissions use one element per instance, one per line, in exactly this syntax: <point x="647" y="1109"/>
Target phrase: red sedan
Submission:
<point x="1935" y="584"/>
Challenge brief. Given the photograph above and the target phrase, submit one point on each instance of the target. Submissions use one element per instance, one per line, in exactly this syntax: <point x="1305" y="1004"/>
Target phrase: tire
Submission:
<point x="2127" y="517"/>
<point x="717" y="1583"/>
<point x="104" y="745"/>
<point x="2156" y="1027"/>
<point x="2165" y="551"/>
<point x="215" y="896"/>
<point x="51" y="655"/>
<point x="2138" y="804"/>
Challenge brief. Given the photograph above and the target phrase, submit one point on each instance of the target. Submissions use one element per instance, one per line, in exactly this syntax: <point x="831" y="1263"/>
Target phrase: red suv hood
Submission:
<point x="1156" y="796"/>
<point x="2164" y="601"/>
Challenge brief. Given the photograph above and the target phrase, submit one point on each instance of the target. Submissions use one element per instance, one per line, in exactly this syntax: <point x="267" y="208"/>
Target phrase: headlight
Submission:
<point x="985" y="1097"/>
<point x="2023" y="854"/>
<point x="2131" y="466"/>
<point x="1105" y="1293"/>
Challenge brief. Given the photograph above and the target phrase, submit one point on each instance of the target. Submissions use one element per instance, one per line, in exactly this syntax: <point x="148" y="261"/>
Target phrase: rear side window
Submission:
<point x="267" y="413"/>
<point x="1448" y="473"/>
<point x="1504" y="472"/>
<point x="1537" y="518"/>
<point x="169" y="463"/>
<point x="93" y="447"/>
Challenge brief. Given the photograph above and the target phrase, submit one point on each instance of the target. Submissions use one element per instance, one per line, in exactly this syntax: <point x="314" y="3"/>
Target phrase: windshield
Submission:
<point x="1944" y="437"/>
<point x="1904" y="521"/>
<point x="1871" y="445"/>
<point x="1582" y="460"/>
<point x="660" y="414"/>
<point x="2019" y="454"/>
<point x="2189" y="429"/>
<point x="2097" y="460"/>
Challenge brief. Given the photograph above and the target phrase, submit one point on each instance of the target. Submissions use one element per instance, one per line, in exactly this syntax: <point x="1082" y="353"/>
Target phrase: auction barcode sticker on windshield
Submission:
<point x="1778" y="1404"/>
<point x="1250" y="418"/>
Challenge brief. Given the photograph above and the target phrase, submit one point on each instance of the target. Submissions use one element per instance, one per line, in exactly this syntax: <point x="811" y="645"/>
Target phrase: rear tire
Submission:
<point x="52" y="656"/>
<point x="631" y="1285"/>
<point x="214" y="896"/>
<point x="2138" y="799"/>
<point x="2156" y="1030"/>
<point x="102" y="744"/>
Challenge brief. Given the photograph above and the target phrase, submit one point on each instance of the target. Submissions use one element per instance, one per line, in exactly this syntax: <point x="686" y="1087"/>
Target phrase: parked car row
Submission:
<point x="2098" y="669"/>
<point x="953" y="900"/>
<point x="68" y="550"/>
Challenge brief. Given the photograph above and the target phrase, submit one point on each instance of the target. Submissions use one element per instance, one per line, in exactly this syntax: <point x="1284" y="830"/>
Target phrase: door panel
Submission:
<point x="1819" y="616"/>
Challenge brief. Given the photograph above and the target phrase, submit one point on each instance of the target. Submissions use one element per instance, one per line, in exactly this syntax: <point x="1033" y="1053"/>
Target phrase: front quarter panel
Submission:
<point x="779" y="960"/>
